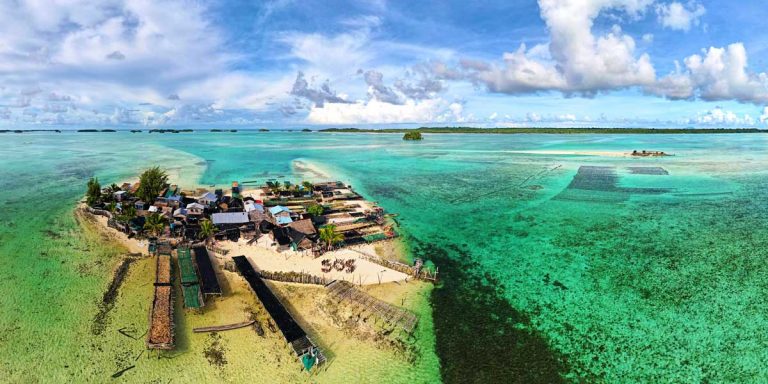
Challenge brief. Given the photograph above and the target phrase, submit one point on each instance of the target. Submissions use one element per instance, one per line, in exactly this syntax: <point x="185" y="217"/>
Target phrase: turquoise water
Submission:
<point x="642" y="278"/>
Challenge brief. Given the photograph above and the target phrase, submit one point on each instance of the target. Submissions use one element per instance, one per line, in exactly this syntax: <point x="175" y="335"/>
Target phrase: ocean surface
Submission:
<point x="560" y="262"/>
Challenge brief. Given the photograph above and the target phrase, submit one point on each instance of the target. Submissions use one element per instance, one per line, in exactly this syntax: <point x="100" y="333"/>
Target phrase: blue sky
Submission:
<point x="380" y="63"/>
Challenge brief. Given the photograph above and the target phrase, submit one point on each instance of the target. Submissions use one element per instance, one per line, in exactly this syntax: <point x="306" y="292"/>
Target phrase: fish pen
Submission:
<point x="367" y="305"/>
<point x="190" y="286"/>
<point x="209" y="283"/>
<point x="301" y="344"/>
<point x="161" y="334"/>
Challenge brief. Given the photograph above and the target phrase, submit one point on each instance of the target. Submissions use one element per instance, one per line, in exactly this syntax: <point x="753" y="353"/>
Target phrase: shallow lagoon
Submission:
<point x="658" y="278"/>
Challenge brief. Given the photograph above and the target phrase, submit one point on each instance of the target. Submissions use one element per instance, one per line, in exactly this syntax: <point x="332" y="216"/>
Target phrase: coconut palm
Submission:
<point x="155" y="224"/>
<point x="207" y="229"/>
<point x="330" y="237"/>
<point x="308" y="185"/>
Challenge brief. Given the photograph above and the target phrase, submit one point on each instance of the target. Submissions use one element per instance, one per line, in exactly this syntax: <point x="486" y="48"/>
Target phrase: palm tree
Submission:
<point x="128" y="213"/>
<point x="207" y="229"/>
<point x="330" y="237"/>
<point x="111" y="207"/>
<point x="155" y="224"/>
<point x="308" y="186"/>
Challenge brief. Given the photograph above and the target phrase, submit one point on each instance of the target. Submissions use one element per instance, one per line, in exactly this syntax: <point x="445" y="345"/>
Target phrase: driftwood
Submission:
<point x="120" y="372"/>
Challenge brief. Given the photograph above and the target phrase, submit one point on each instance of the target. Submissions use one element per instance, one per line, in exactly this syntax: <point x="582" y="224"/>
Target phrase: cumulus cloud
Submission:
<point x="377" y="90"/>
<point x="318" y="96"/>
<point x="116" y="55"/>
<point x="721" y="74"/>
<point x="722" y="117"/>
<point x="380" y="112"/>
<point x="680" y="16"/>
<point x="575" y="60"/>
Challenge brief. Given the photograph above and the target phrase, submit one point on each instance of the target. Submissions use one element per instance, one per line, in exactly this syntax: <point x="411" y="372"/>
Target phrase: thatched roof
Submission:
<point x="304" y="226"/>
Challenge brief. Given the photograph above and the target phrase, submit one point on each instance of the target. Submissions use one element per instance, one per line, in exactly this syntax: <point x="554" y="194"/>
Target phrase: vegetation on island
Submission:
<point x="93" y="193"/>
<point x="151" y="183"/>
<point x="154" y="224"/>
<point x="207" y="230"/>
<point x="306" y="130"/>
<point x="315" y="209"/>
<point x="412" y="135"/>
<point x="330" y="237"/>
<point x="263" y="130"/>
<point x="551" y="130"/>
<point x="28" y="130"/>
<point x="170" y="130"/>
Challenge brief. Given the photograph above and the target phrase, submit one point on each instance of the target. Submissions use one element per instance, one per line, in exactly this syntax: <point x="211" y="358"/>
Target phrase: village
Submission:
<point x="321" y="233"/>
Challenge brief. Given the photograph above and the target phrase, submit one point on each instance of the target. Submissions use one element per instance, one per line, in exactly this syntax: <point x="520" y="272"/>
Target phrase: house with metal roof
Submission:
<point x="195" y="209"/>
<point x="209" y="198"/>
<point x="229" y="218"/>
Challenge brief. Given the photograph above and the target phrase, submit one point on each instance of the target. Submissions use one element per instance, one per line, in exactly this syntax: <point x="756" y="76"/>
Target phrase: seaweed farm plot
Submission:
<point x="658" y="171"/>
<point x="296" y="337"/>
<point x="601" y="184"/>
<point x="161" y="333"/>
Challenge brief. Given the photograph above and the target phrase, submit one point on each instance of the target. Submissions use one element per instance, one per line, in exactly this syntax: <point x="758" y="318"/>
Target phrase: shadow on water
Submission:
<point x="481" y="338"/>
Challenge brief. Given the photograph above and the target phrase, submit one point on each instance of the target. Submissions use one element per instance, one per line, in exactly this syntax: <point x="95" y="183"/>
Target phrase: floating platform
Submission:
<point x="161" y="334"/>
<point x="209" y="283"/>
<point x="190" y="285"/>
<point x="295" y="336"/>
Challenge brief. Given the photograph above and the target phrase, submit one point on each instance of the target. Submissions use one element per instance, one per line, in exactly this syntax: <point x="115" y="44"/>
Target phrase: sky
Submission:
<point x="574" y="63"/>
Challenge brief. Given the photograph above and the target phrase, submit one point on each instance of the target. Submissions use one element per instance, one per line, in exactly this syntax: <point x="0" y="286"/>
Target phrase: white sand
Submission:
<point x="265" y="257"/>
<point x="581" y="153"/>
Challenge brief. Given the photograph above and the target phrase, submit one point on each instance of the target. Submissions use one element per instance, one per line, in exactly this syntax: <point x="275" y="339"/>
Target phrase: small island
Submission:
<point x="412" y="135"/>
<point x="319" y="235"/>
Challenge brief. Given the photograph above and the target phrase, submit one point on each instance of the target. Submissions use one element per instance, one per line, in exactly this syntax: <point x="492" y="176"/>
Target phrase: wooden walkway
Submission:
<point x="291" y="330"/>
<point x="343" y="291"/>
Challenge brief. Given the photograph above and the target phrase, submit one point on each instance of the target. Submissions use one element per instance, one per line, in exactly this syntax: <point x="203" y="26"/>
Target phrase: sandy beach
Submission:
<point x="264" y="257"/>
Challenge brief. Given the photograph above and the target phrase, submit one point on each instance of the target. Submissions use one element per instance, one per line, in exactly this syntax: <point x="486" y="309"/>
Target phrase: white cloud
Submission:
<point x="681" y="17"/>
<point x="722" y="117"/>
<point x="721" y="74"/>
<point x="577" y="60"/>
<point x="379" y="112"/>
<point x="648" y="38"/>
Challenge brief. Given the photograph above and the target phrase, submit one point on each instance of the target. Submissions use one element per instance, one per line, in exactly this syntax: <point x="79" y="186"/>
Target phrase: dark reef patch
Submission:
<point x="481" y="338"/>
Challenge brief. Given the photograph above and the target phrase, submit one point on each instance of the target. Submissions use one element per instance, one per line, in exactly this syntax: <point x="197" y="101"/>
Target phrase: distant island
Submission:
<point x="96" y="130"/>
<point x="550" y="130"/>
<point x="170" y="130"/>
<point x="29" y="130"/>
<point x="223" y="130"/>
<point x="412" y="135"/>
